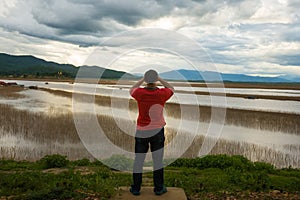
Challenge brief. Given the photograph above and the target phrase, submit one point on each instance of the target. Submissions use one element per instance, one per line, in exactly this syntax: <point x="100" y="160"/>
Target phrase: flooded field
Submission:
<point x="34" y="123"/>
<point x="261" y="104"/>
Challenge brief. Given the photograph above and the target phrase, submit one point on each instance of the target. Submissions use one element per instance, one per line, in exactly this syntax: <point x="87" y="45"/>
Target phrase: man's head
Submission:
<point x="151" y="76"/>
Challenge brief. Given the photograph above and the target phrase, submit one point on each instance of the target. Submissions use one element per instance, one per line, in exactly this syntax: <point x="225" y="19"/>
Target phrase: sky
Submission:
<point x="253" y="37"/>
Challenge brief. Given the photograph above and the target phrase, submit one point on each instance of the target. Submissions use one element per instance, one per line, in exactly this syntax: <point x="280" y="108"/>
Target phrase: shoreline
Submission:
<point x="204" y="93"/>
<point x="260" y="85"/>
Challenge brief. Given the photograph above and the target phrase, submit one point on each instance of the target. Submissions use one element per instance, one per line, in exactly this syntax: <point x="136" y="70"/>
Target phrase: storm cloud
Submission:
<point x="246" y="34"/>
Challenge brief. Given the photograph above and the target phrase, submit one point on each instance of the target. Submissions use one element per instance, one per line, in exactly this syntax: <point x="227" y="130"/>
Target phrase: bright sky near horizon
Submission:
<point x="254" y="37"/>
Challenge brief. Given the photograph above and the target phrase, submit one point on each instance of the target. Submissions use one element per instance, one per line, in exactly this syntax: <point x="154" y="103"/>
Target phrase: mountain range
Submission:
<point x="28" y="66"/>
<point x="193" y="75"/>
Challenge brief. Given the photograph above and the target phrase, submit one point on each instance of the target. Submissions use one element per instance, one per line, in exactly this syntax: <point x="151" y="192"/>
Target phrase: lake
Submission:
<point x="257" y="142"/>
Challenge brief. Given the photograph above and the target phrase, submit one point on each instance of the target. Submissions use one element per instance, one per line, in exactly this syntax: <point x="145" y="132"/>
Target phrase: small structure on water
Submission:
<point x="2" y="83"/>
<point x="33" y="87"/>
<point x="12" y="84"/>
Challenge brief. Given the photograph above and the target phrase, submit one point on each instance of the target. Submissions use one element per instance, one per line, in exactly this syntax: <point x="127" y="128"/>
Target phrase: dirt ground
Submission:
<point x="147" y="193"/>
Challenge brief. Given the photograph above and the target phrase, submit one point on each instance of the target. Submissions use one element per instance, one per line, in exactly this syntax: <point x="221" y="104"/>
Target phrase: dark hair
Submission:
<point x="151" y="76"/>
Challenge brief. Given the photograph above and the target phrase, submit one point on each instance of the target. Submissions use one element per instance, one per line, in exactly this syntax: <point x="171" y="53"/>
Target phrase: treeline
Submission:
<point x="30" y="66"/>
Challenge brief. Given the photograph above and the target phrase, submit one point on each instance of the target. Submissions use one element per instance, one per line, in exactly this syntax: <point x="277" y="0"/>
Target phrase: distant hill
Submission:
<point x="30" y="66"/>
<point x="193" y="75"/>
<point x="24" y="66"/>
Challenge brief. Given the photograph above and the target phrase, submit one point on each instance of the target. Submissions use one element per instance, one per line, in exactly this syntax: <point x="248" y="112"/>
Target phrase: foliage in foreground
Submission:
<point x="82" y="178"/>
<point x="219" y="173"/>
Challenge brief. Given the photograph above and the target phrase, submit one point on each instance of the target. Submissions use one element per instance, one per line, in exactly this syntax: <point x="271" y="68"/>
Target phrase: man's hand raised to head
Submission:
<point x="165" y="84"/>
<point x="136" y="85"/>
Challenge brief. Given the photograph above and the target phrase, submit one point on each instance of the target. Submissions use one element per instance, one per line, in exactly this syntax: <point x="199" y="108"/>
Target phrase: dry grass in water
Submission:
<point x="42" y="134"/>
<point x="11" y="92"/>
<point x="272" y="121"/>
<point x="38" y="127"/>
<point x="283" y="86"/>
<point x="49" y="134"/>
<point x="253" y="152"/>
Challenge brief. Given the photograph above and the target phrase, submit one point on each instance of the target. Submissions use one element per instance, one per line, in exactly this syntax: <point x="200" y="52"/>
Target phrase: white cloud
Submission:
<point x="49" y="50"/>
<point x="248" y="36"/>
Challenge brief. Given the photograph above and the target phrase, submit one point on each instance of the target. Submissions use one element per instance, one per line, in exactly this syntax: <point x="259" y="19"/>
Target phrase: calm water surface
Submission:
<point x="217" y="101"/>
<point x="41" y="101"/>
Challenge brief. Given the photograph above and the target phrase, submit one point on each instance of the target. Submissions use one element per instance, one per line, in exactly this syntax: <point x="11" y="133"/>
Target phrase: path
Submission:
<point x="147" y="193"/>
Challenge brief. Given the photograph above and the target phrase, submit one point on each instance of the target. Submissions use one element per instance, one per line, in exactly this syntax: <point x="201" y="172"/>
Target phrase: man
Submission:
<point x="150" y="129"/>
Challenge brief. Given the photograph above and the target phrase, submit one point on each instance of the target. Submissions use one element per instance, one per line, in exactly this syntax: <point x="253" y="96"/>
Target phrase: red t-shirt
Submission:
<point x="151" y="104"/>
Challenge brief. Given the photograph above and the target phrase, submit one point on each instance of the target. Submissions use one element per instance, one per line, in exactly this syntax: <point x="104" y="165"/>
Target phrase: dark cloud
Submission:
<point x="291" y="35"/>
<point x="64" y="20"/>
<point x="83" y="17"/>
<point x="234" y="32"/>
<point x="288" y="59"/>
<point x="223" y="59"/>
<point x="270" y="32"/>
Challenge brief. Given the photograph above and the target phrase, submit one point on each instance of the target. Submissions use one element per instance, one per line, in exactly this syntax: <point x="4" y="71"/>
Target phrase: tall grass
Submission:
<point x="272" y="121"/>
<point x="10" y="92"/>
<point x="39" y="127"/>
<point x="38" y="134"/>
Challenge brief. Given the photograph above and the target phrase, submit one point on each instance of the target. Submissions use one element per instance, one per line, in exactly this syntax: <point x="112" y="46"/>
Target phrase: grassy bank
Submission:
<point x="211" y="177"/>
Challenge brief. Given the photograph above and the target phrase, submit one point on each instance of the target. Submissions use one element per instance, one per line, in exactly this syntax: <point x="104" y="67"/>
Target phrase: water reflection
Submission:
<point x="234" y="138"/>
<point x="205" y="100"/>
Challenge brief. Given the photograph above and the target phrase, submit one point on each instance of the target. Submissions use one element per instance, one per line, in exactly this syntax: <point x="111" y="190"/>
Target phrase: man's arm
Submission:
<point x="136" y="85"/>
<point x="166" y="84"/>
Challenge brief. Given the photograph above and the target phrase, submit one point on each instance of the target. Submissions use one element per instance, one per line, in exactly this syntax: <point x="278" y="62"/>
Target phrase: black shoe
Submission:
<point x="134" y="192"/>
<point x="162" y="191"/>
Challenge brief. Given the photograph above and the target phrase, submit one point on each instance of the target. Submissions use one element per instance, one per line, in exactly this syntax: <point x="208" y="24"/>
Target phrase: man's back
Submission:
<point x="151" y="102"/>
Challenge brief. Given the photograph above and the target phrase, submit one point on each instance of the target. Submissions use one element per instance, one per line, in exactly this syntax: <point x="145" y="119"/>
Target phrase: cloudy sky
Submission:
<point x="255" y="37"/>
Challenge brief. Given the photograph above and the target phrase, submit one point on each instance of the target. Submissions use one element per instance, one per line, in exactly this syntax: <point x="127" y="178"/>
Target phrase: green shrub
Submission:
<point x="98" y="163"/>
<point x="198" y="181"/>
<point x="57" y="193"/>
<point x="17" y="165"/>
<point x="289" y="172"/>
<point x="241" y="163"/>
<point x="261" y="166"/>
<point x="17" y="183"/>
<point x="252" y="180"/>
<point x="215" y="161"/>
<point x="82" y="162"/>
<point x="282" y="183"/>
<point x="54" y="161"/>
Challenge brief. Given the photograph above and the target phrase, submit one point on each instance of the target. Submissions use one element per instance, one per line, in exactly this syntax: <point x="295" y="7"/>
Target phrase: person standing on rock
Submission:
<point x="150" y="129"/>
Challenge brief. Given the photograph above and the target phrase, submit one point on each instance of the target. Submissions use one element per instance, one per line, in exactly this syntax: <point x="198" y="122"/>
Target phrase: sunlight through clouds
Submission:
<point x="236" y="34"/>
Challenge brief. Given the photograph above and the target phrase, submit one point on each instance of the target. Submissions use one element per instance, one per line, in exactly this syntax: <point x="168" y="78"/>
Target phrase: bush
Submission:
<point x="54" y="161"/>
<point x="261" y="166"/>
<point x="254" y="181"/>
<point x="82" y="162"/>
<point x="215" y="161"/>
<point x="198" y="181"/>
<point x="98" y="163"/>
<point x="282" y="183"/>
<point x="23" y="182"/>
<point x="17" y="165"/>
